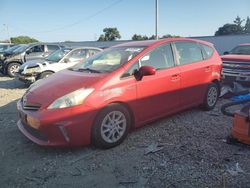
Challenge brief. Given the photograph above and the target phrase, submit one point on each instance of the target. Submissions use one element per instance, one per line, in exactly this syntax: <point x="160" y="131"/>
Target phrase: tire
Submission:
<point x="45" y="75"/>
<point x="12" y="69"/>
<point x="105" y="134"/>
<point x="211" y="97"/>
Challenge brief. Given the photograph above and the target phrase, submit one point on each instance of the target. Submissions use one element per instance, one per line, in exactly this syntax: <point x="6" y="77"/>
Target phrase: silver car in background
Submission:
<point x="34" y="70"/>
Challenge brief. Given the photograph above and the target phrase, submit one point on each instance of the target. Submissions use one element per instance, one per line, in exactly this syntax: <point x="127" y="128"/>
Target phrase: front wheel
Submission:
<point x="12" y="68"/>
<point x="111" y="126"/>
<point x="45" y="75"/>
<point x="211" y="97"/>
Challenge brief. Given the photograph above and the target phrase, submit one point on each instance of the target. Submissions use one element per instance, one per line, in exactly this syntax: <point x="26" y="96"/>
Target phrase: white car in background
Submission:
<point x="32" y="71"/>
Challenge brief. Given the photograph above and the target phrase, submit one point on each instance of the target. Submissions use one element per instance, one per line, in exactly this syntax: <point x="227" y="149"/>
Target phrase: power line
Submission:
<point x="79" y="21"/>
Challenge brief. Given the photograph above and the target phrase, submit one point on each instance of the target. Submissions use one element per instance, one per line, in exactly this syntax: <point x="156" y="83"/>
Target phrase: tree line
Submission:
<point x="239" y="26"/>
<point x="235" y="28"/>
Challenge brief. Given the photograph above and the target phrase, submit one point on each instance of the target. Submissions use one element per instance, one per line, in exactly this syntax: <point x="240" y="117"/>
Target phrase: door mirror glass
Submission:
<point x="144" y="71"/>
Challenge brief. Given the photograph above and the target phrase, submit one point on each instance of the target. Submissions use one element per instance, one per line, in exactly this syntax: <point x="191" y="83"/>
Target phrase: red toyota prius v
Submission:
<point x="124" y="87"/>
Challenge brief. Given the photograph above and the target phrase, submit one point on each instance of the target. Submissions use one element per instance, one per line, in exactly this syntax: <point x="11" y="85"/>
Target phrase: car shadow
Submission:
<point x="11" y="83"/>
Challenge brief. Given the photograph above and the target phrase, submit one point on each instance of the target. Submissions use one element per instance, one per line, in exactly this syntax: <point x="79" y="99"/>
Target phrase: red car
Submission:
<point x="100" y="100"/>
<point x="236" y="64"/>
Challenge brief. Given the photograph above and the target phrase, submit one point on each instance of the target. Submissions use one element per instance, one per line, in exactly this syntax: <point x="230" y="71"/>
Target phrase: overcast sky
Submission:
<point x="84" y="20"/>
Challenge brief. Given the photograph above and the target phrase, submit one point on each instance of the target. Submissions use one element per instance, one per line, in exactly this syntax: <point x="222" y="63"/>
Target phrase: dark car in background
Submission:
<point x="5" y="46"/>
<point x="236" y="64"/>
<point x="8" y="50"/>
<point x="12" y="61"/>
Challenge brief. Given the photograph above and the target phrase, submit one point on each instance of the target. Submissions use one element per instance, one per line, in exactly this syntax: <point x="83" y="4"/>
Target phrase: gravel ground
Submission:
<point x="185" y="150"/>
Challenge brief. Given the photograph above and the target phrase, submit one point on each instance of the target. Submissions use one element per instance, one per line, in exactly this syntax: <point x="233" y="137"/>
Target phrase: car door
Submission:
<point x="194" y="72"/>
<point x="35" y="52"/>
<point x="158" y="95"/>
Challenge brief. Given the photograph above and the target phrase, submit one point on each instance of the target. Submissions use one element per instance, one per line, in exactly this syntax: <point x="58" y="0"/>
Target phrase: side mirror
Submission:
<point x="144" y="71"/>
<point x="226" y="53"/>
<point x="66" y="60"/>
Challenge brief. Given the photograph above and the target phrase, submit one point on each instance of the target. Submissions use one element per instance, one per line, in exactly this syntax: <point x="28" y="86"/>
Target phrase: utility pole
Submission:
<point x="156" y="18"/>
<point x="7" y="29"/>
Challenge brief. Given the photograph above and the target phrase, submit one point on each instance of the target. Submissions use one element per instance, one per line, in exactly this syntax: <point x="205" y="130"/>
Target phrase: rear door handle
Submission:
<point x="208" y="69"/>
<point x="175" y="77"/>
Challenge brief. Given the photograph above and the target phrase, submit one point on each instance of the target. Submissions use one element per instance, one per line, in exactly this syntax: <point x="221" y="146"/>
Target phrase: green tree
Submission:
<point x="139" y="37"/>
<point x="229" y="29"/>
<point x="170" y="36"/>
<point x="247" y="26"/>
<point x="110" y="34"/>
<point x="238" y="21"/>
<point x="22" y="40"/>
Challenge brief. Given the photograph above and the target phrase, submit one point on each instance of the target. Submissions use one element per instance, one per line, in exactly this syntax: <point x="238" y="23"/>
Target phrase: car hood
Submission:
<point x="31" y="63"/>
<point x="235" y="57"/>
<point x="45" y="91"/>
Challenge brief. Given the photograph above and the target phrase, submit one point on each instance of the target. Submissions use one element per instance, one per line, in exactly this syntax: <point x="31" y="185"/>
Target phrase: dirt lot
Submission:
<point x="192" y="153"/>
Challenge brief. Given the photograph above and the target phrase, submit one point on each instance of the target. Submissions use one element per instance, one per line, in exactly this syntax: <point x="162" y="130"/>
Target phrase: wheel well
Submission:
<point x="7" y="64"/>
<point x="129" y="110"/>
<point x="217" y="82"/>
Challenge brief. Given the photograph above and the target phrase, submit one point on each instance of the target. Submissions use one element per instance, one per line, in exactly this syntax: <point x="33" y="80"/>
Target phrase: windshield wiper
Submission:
<point x="86" y="70"/>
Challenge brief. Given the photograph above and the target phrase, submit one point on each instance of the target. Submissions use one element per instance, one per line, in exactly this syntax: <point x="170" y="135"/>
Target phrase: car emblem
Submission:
<point x="24" y="100"/>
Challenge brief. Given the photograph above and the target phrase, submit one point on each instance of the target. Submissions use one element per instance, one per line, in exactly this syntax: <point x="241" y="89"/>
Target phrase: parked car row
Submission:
<point x="10" y="62"/>
<point x="102" y="98"/>
<point x="63" y="58"/>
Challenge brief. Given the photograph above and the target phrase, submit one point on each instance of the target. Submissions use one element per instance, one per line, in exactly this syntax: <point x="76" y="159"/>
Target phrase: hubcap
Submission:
<point x="212" y="96"/>
<point x="13" y="69"/>
<point x="113" y="126"/>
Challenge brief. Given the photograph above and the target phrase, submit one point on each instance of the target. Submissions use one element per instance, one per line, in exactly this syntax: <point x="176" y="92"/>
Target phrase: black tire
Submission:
<point x="45" y="75"/>
<point x="11" y="69"/>
<point x="209" y="101"/>
<point x="97" y="139"/>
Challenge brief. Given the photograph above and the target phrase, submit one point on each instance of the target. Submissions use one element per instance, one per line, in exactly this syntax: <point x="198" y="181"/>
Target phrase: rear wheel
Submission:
<point x="12" y="68"/>
<point x="45" y="75"/>
<point x="111" y="126"/>
<point x="211" y="97"/>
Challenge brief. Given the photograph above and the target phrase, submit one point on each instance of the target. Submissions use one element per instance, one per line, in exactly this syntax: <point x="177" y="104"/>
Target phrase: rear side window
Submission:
<point x="207" y="51"/>
<point x="36" y="49"/>
<point x="159" y="58"/>
<point x="52" y="47"/>
<point x="188" y="52"/>
<point x="77" y="54"/>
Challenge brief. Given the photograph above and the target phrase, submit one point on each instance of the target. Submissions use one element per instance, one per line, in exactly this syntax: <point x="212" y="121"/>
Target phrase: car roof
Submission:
<point x="244" y="44"/>
<point x="148" y="43"/>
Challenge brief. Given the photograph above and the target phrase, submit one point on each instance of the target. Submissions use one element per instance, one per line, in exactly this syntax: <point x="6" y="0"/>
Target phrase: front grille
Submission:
<point x="236" y="65"/>
<point x="28" y="106"/>
<point x="34" y="132"/>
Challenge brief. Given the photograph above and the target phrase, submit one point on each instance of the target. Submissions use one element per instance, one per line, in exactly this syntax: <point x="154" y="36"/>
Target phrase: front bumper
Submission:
<point x="60" y="127"/>
<point x="26" y="78"/>
<point x="236" y="75"/>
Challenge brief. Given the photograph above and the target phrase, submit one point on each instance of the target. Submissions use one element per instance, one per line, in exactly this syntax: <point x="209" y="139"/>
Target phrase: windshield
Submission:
<point x="57" y="55"/>
<point x="11" y="49"/>
<point x="21" y="49"/>
<point x="108" y="60"/>
<point x="3" y="48"/>
<point x="241" y="50"/>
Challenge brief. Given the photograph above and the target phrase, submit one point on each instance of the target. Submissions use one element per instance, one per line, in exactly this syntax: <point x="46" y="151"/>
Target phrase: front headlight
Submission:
<point x="31" y="70"/>
<point x="72" y="99"/>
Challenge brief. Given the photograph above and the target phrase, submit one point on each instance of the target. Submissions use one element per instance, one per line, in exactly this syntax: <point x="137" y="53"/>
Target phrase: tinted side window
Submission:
<point x="159" y="58"/>
<point x="38" y="48"/>
<point x="188" y="52"/>
<point x="77" y="54"/>
<point x="207" y="51"/>
<point x="52" y="47"/>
